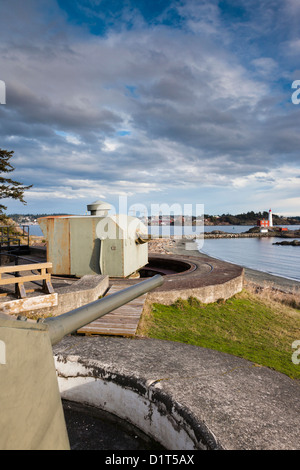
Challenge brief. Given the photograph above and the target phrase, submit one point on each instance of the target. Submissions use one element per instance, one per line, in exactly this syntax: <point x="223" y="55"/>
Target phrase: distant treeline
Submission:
<point x="250" y="218"/>
<point x="31" y="217"/>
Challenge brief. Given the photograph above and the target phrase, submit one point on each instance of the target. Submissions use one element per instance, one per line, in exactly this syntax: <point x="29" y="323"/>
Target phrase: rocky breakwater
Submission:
<point x="165" y="245"/>
<point x="292" y="243"/>
<point x="254" y="232"/>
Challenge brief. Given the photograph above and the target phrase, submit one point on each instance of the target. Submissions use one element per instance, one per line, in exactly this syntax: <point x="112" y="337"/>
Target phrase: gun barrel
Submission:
<point x="140" y="238"/>
<point x="69" y="322"/>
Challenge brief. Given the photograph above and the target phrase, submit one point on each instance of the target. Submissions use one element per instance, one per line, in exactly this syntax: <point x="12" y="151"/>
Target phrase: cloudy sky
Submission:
<point x="163" y="101"/>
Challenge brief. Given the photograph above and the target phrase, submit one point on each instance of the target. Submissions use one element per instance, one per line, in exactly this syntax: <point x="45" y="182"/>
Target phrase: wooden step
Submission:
<point x="120" y="322"/>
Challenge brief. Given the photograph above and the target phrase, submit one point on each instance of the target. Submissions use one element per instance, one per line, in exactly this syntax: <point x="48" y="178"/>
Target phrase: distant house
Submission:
<point x="263" y="223"/>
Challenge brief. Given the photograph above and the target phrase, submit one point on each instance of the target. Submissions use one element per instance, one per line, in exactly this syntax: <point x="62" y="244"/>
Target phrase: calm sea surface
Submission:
<point x="257" y="253"/>
<point x="254" y="253"/>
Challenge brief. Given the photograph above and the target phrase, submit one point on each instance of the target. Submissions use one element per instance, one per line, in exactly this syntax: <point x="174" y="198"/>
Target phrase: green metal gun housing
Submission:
<point x="32" y="416"/>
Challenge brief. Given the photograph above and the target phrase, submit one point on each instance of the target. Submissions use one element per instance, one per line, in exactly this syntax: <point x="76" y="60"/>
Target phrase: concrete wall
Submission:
<point x="82" y="292"/>
<point x="206" y="294"/>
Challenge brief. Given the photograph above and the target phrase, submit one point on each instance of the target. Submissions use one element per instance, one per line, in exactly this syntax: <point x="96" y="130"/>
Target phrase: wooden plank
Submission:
<point x="47" y="286"/>
<point x="112" y="331"/>
<point x="21" y="292"/>
<point x="120" y="322"/>
<point x="110" y="326"/>
<point x="25" y="267"/>
<point x="21" y="279"/>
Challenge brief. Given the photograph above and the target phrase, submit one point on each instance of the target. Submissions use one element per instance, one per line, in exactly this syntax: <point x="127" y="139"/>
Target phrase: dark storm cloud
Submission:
<point x="31" y="108"/>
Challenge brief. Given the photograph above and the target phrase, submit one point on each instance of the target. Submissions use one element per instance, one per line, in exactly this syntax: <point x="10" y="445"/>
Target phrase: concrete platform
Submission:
<point x="183" y="396"/>
<point x="207" y="279"/>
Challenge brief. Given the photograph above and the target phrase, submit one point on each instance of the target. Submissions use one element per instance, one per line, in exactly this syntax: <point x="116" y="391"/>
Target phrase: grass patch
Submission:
<point x="247" y="325"/>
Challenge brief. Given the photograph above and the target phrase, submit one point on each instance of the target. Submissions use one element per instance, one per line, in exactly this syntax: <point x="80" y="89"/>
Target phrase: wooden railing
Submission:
<point x="19" y="280"/>
<point x="10" y="237"/>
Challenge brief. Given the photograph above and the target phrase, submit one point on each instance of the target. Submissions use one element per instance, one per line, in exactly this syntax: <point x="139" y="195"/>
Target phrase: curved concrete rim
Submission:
<point x="204" y="270"/>
<point x="207" y="279"/>
<point x="183" y="396"/>
<point x="186" y="265"/>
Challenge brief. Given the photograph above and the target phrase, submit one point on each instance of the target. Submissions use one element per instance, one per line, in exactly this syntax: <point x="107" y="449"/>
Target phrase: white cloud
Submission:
<point x="266" y="66"/>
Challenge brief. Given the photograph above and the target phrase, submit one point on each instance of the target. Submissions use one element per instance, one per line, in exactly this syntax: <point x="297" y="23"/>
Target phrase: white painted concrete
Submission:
<point x="78" y="383"/>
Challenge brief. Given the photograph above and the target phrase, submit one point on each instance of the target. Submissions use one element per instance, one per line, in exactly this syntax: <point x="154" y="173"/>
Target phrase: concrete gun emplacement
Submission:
<point x="32" y="416"/>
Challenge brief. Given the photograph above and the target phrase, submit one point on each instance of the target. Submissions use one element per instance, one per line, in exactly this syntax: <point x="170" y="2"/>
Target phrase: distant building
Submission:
<point x="263" y="223"/>
<point x="270" y="218"/>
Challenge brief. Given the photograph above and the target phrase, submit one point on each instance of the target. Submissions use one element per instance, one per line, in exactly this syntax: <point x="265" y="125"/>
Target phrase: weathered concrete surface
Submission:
<point x="81" y="292"/>
<point x="211" y="280"/>
<point x="228" y="402"/>
<point x="36" y="303"/>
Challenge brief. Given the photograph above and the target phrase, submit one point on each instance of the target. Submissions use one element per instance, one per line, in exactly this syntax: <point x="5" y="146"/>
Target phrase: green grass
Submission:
<point x="245" y="325"/>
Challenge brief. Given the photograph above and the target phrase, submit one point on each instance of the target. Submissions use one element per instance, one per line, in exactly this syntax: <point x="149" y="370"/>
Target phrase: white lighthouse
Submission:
<point x="270" y="218"/>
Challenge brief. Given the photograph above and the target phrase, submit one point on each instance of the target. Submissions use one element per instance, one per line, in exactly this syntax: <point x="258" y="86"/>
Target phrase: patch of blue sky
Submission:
<point x="70" y="138"/>
<point x="231" y="9"/>
<point x="160" y="12"/>
<point x="86" y="13"/>
<point x="123" y="133"/>
<point x="131" y="90"/>
<point x="61" y="133"/>
<point x="100" y="16"/>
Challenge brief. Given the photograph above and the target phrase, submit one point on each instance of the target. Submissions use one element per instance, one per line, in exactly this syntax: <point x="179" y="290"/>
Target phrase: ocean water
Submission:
<point x="257" y="253"/>
<point x="35" y="230"/>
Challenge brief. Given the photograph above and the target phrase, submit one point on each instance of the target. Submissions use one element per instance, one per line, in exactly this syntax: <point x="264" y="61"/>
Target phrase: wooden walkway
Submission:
<point x="120" y="322"/>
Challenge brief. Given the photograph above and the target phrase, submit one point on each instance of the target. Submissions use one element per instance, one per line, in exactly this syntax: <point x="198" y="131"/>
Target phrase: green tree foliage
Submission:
<point x="250" y="218"/>
<point x="8" y="187"/>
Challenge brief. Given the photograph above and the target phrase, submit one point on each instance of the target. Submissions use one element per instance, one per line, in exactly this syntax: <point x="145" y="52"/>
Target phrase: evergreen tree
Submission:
<point x="8" y="187"/>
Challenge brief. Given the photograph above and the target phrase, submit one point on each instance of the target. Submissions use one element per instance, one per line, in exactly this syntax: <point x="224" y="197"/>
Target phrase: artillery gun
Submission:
<point x="98" y="243"/>
<point x="32" y="416"/>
